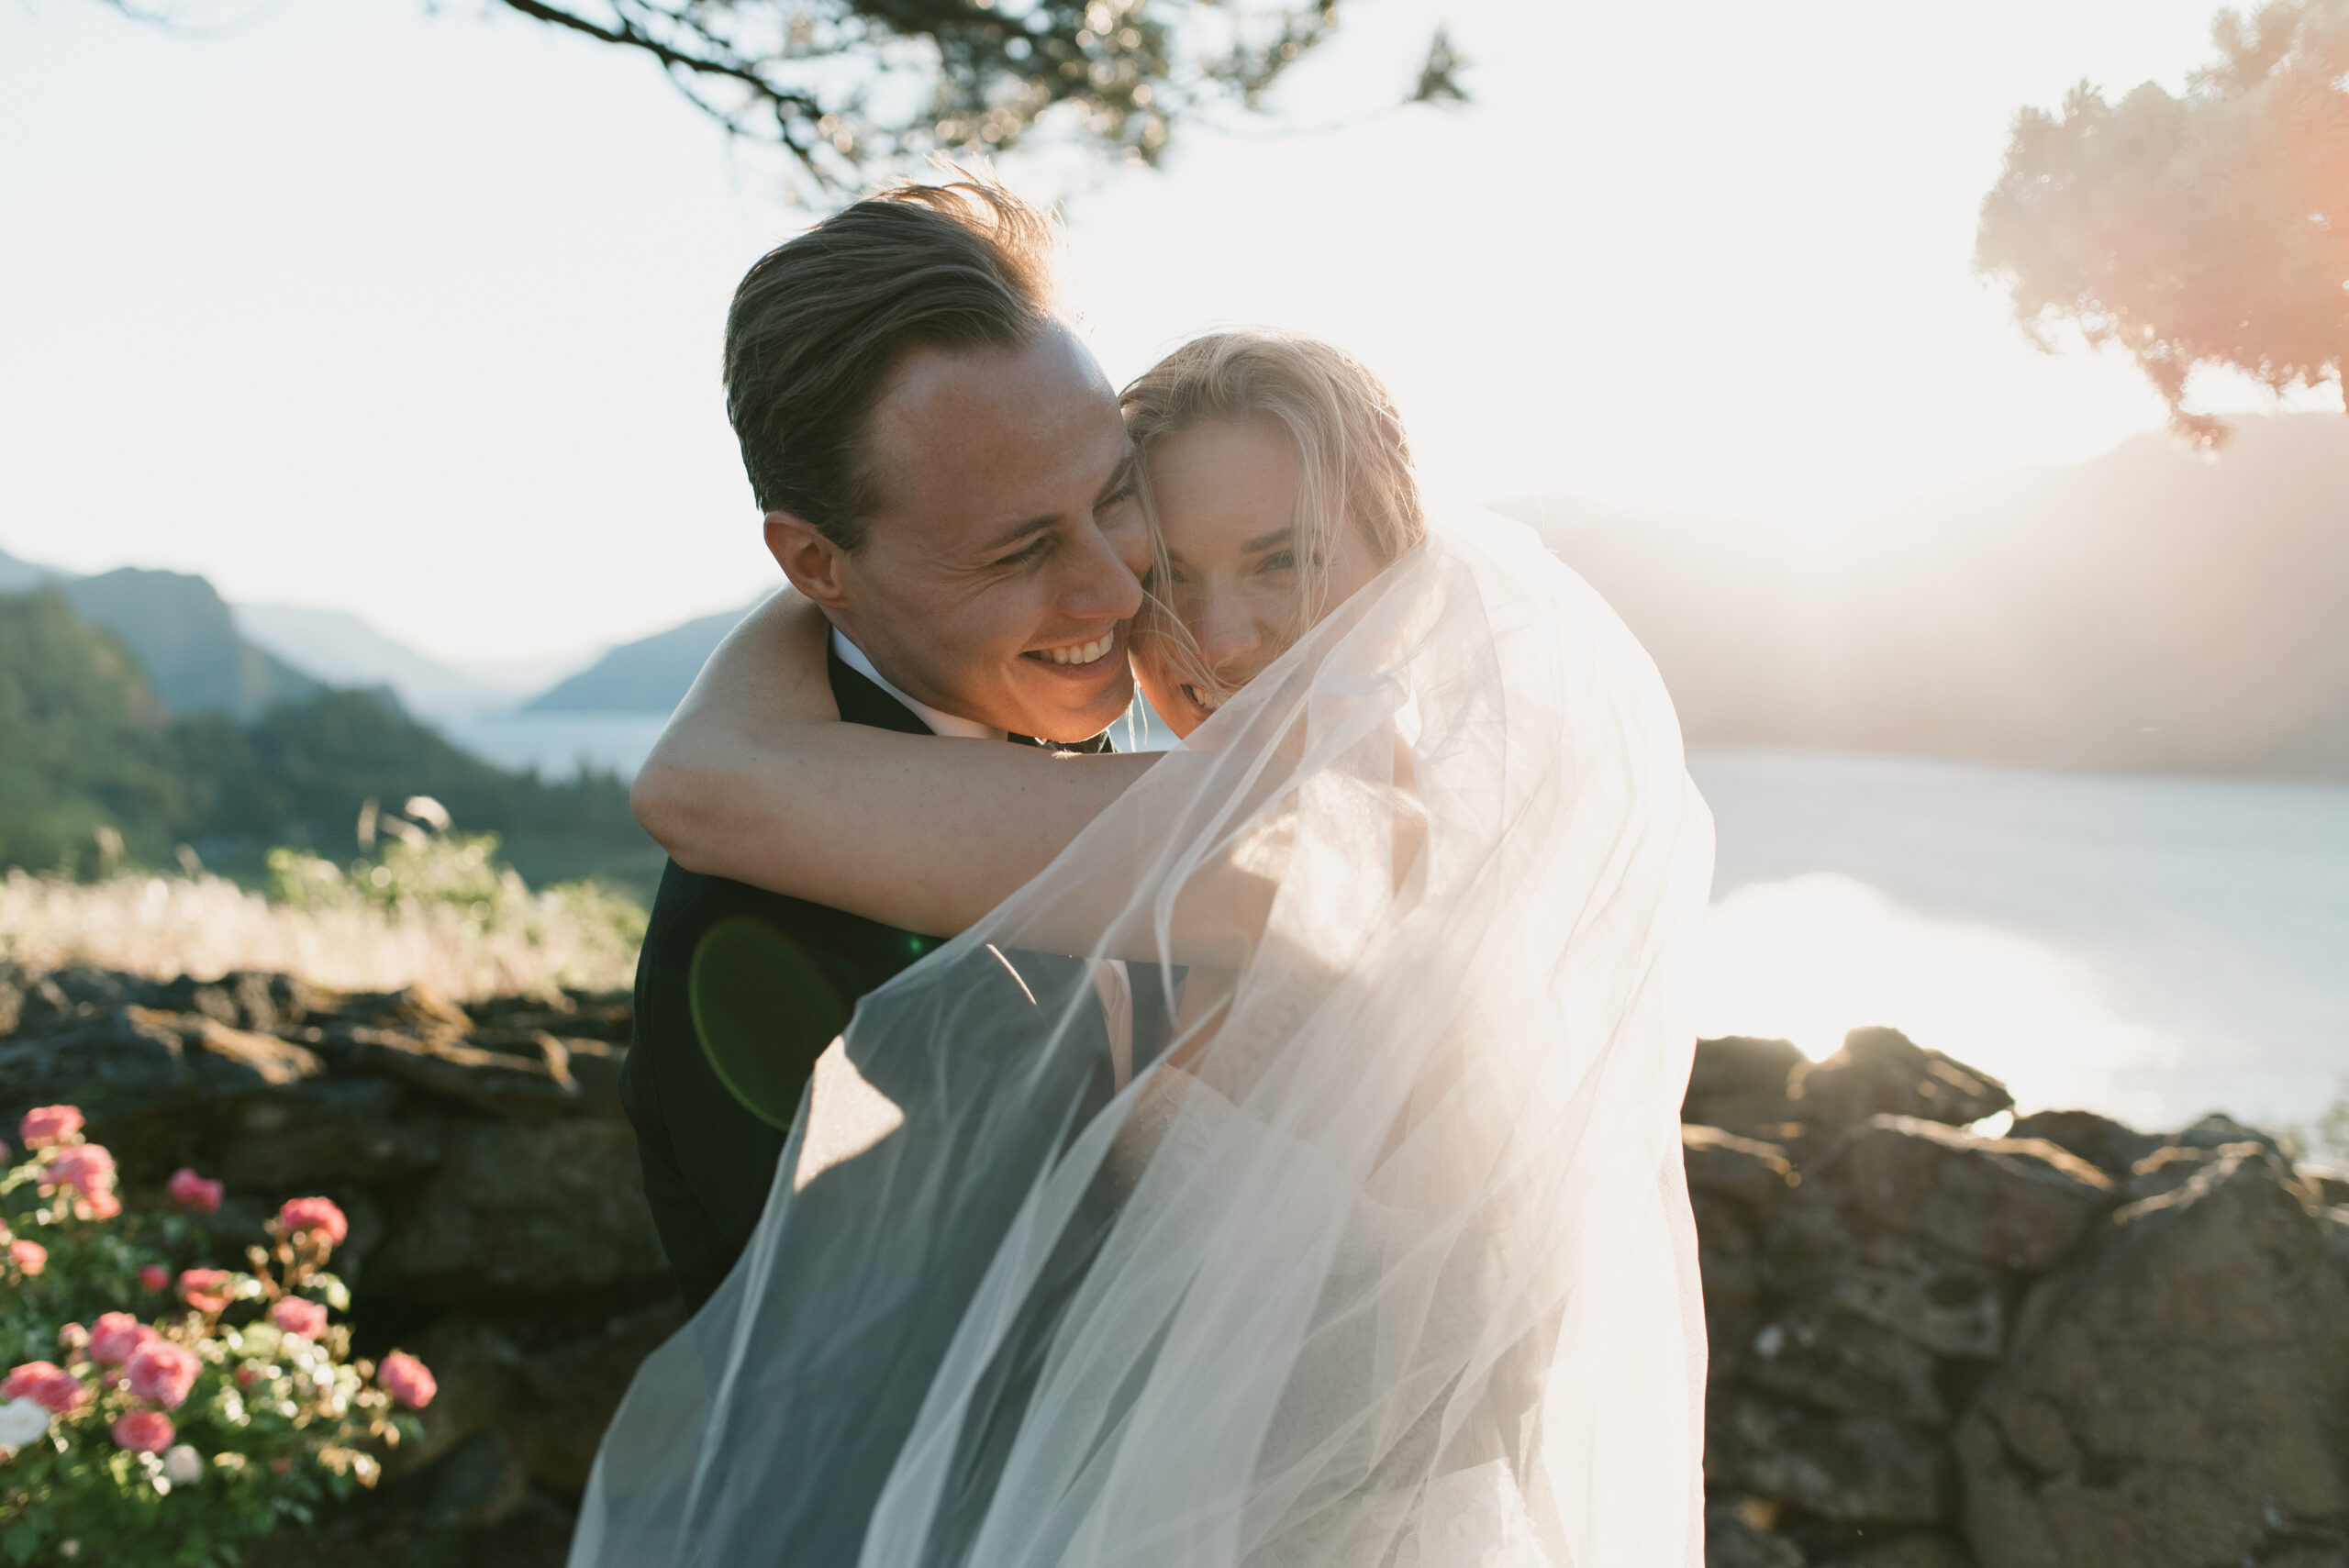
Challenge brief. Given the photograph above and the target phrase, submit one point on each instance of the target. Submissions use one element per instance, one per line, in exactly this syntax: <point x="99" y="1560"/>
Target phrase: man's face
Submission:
<point x="997" y="579"/>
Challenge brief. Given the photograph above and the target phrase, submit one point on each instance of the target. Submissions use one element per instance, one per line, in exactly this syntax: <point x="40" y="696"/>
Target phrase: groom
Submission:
<point x="945" y="471"/>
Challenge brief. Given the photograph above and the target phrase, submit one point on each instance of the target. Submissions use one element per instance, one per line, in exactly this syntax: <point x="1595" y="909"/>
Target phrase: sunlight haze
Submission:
<point x="418" y="316"/>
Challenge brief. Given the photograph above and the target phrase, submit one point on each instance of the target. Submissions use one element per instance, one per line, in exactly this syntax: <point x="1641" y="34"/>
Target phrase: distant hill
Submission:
<point x="87" y="745"/>
<point x="22" y="576"/>
<point x="342" y="649"/>
<point x="86" y="751"/>
<point x="187" y="642"/>
<point x="2147" y="611"/>
<point x="650" y="675"/>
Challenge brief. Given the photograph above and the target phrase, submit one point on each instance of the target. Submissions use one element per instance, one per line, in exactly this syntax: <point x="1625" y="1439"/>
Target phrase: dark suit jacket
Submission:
<point x="738" y="991"/>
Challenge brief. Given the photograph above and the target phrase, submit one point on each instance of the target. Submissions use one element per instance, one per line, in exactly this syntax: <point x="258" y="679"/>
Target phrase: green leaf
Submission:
<point x="23" y="1542"/>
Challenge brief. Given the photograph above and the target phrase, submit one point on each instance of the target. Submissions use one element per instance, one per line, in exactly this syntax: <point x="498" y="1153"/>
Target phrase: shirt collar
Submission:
<point x="939" y="723"/>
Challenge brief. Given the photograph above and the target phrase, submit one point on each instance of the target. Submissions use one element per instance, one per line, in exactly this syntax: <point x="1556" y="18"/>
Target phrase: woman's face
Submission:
<point x="1224" y="492"/>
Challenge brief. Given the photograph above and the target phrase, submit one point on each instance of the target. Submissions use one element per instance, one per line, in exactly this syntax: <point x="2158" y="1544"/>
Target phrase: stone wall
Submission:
<point x="2072" y="1346"/>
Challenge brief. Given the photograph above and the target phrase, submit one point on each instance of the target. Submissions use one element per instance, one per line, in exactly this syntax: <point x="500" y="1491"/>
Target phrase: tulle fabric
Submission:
<point x="1386" y="1261"/>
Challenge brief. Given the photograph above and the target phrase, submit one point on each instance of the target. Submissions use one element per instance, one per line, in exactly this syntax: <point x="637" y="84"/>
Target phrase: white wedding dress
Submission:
<point x="1385" y="1262"/>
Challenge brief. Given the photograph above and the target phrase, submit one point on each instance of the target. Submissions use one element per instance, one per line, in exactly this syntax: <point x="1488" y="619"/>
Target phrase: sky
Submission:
<point x="416" y="313"/>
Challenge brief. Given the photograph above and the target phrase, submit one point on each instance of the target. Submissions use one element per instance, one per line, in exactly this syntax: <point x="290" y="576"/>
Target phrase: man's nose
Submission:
<point x="1099" y="584"/>
<point x="1128" y="532"/>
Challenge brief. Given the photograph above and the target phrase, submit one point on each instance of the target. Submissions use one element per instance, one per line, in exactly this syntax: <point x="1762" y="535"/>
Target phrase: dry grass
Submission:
<point x="207" y="926"/>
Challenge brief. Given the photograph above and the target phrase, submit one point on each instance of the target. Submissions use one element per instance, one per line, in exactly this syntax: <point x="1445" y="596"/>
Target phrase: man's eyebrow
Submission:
<point x="1022" y="529"/>
<point x="1017" y="532"/>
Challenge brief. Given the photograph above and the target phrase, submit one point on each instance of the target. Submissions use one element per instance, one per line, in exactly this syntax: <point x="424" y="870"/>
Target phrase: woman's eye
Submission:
<point x="1279" y="560"/>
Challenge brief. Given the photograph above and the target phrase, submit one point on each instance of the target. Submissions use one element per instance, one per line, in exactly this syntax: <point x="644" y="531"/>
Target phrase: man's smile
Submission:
<point x="1078" y="658"/>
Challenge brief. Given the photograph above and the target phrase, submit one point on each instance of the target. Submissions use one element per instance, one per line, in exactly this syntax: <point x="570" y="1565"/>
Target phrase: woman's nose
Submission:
<point x="1227" y="634"/>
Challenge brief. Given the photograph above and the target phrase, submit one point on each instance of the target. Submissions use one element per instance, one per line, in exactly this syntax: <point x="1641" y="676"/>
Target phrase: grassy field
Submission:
<point x="443" y="915"/>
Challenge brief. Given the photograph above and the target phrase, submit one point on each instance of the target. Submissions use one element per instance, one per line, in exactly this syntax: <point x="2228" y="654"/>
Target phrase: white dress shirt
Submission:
<point x="939" y="723"/>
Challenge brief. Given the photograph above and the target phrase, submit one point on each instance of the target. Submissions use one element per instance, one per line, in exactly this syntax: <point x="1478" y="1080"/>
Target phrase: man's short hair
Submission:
<point x="821" y="320"/>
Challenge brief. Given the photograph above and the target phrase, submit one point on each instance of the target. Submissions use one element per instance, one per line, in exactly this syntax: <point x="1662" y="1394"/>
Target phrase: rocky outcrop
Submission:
<point x="2177" y="1397"/>
<point x="2075" y="1345"/>
<point x="2018" y="1203"/>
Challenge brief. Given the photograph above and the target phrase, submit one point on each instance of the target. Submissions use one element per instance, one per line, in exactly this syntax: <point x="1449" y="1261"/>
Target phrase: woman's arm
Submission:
<point x="755" y="779"/>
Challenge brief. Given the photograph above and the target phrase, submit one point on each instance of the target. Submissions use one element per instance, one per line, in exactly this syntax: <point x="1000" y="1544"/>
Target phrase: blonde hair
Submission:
<point x="1354" y="461"/>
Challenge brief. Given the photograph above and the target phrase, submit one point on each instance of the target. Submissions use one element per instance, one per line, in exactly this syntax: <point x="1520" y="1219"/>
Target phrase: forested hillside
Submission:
<point x="91" y="751"/>
<point x="188" y="643"/>
<point x="83" y="744"/>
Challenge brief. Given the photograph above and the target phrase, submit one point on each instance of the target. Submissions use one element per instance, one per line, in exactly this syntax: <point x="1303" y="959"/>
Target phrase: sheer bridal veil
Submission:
<point x="1343" y="1224"/>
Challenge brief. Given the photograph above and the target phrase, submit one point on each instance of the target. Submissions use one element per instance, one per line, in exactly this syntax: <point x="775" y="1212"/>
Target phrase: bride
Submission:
<point x="1280" y="1166"/>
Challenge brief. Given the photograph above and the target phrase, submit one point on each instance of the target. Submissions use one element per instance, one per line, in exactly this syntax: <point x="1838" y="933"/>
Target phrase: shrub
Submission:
<point x="180" y="1414"/>
<point x="425" y="871"/>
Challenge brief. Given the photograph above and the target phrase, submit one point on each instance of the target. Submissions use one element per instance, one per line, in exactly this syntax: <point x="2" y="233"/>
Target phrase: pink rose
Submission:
<point x="114" y="1336"/>
<point x="163" y="1372"/>
<point x="71" y="1338"/>
<point x="47" y="1125"/>
<point x="206" y="1290"/>
<point x="317" y="1215"/>
<point x="57" y="1390"/>
<point x="408" y="1380"/>
<point x="19" y="1385"/>
<point x="144" y="1432"/>
<point x="154" y="1276"/>
<point x="98" y="1206"/>
<point x="87" y="1168"/>
<point x="29" y="1256"/>
<point x="297" y="1315"/>
<point x="190" y="1191"/>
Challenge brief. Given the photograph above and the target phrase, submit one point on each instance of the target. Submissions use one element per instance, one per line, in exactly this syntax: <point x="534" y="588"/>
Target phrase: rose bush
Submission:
<point x="160" y="1417"/>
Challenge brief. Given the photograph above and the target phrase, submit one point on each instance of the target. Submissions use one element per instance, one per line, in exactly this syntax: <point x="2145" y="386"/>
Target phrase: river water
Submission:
<point x="2151" y="947"/>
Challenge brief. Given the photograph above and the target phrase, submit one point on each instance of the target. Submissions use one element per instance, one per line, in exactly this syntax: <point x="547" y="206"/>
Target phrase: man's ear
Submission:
<point x="813" y="562"/>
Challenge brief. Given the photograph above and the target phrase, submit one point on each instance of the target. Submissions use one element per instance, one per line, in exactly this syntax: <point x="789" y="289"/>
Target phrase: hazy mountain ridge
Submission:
<point x="23" y="576"/>
<point x="343" y="649"/>
<point x="187" y="642"/>
<point x="189" y="646"/>
<point x="648" y="675"/>
<point x="2147" y="611"/>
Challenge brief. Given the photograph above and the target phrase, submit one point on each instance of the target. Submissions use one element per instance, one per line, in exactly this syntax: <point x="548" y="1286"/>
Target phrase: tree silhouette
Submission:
<point x="2207" y="229"/>
<point x="858" y="88"/>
